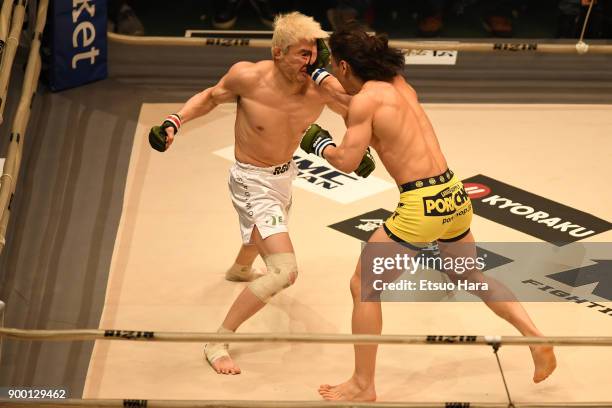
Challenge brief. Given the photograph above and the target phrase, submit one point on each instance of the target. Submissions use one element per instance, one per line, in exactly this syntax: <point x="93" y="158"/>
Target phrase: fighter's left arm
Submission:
<point x="353" y="154"/>
<point x="334" y="95"/>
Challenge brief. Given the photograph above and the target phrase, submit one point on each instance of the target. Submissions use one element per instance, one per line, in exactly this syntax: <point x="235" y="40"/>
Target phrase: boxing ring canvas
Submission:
<point x="179" y="233"/>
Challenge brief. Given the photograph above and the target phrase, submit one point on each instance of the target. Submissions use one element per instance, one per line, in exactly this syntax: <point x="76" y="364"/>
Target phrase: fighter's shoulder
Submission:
<point x="364" y="103"/>
<point x="245" y="73"/>
<point x="373" y="94"/>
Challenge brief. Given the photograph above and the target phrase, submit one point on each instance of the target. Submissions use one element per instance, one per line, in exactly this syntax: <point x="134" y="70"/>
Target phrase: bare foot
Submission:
<point x="219" y="359"/>
<point x="244" y="275"/>
<point x="544" y="361"/>
<point x="348" y="391"/>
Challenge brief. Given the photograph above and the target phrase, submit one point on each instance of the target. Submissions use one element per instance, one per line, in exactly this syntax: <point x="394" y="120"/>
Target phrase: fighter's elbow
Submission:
<point x="348" y="166"/>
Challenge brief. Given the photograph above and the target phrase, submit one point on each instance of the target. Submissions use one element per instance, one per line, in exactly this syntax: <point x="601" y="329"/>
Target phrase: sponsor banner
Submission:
<point x="580" y="273"/>
<point x="319" y="177"/>
<point x="430" y="57"/>
<point x="362" y="226"/>
<point x="530" y="213"/>
<point x="75" y="39"/>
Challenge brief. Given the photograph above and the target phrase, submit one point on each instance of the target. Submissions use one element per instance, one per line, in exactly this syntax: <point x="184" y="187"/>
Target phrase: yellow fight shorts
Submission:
<point x="435" y="208"/>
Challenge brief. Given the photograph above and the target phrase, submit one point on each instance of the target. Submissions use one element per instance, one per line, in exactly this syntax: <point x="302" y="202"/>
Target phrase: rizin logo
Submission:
<point x="445" y="202"/>
<point x="530" y="213"/>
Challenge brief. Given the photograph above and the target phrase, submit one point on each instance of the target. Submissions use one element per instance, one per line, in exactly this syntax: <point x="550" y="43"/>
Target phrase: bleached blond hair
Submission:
<point x="292" y="27"/>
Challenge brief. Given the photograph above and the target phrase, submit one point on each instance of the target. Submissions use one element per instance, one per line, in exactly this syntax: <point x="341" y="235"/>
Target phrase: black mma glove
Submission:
<point x="158" y="136"/>
<point x="315" y="140"/>
<point x="316" y="70"/>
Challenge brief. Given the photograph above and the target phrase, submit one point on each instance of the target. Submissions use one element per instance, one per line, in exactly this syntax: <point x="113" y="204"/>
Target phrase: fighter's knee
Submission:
<point x="282" y="273"/>
<point x="471" y="276"/>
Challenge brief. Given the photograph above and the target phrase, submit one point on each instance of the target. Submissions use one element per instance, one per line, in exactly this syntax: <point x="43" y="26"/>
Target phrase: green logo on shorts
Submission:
<point x="275" y="220"/>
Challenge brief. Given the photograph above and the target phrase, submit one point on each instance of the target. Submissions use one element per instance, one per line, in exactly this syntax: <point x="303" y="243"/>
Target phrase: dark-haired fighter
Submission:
<point x="385" y="113"/>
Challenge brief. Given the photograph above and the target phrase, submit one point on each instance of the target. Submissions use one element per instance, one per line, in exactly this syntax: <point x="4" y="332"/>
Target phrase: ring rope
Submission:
<point x="529" y="46"/>
<point x="133" y="403"/>
<point x="586" y="21"/>
<point x="194" y="337"/>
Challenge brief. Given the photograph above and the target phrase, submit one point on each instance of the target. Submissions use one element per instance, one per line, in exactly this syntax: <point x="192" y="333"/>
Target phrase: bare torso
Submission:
<point x="401" y="132"/>
<point x="270" y="121"/>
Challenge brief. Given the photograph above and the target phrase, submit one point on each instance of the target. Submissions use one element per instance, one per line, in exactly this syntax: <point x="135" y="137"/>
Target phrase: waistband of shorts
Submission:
<point x="273" y="170"/>
<point x="445" y="177"/>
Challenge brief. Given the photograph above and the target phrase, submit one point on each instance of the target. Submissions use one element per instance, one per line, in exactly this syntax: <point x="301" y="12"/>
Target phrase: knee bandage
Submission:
<point x="282" y="272"/>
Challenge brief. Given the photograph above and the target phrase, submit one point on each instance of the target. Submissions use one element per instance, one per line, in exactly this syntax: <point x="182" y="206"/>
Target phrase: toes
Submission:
<point x="329" y="394"/>
<point x="332" y="396"/>
<point x="538" y="379"/>
<point x="227" y="369"/>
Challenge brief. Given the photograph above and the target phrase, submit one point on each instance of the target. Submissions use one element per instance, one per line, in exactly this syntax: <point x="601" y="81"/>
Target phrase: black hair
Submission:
<point x="369" y="56"/>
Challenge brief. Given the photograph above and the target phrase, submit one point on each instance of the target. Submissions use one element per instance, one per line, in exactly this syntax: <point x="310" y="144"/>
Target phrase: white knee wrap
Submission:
<point x="282" y="272"/>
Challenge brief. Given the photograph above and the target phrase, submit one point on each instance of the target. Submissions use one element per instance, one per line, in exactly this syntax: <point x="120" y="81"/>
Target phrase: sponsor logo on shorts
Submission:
<point x="317" y="176"/>
<point x="275" y="220"/>
<point x="530" y="213"/>
<point x="281" y="169"/>
<point x="446" y="202"/>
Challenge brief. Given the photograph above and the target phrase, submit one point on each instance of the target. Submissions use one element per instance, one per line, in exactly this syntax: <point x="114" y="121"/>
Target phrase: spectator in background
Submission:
<point x="346" y="11"/>
<point x="431" y="20"/>
<point x="122" y="19"/>
<point x="226" y="12"/>
<point x="496" y="15"/>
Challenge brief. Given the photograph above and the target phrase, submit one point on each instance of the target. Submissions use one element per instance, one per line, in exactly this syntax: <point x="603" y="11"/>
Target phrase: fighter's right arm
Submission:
<point x="236" y="81"/>
<point x="353" y="154"/>
<point x="226" y="90"/>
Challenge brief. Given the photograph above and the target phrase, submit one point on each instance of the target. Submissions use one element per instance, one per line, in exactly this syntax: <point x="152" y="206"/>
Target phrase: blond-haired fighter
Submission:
<point x="385" y="113"/>
<point x="277" y="100"/>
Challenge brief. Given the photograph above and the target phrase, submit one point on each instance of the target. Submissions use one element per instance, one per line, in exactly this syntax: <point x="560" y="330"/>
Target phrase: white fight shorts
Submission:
<point x="262" y="197"/>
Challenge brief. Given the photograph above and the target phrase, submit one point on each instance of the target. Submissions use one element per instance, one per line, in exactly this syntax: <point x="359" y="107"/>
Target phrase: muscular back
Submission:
<point x="270" y="119"/>
<point x="401" y="132"/>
